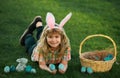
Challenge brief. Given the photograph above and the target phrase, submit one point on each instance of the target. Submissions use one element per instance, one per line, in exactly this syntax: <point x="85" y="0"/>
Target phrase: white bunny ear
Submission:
<point x="18" y="60"/>
<point x="50" y="20"/>
<point x="65" y="20"/>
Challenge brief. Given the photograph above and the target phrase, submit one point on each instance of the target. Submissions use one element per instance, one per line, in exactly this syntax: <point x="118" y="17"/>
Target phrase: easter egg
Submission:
<point x="12" y="68"/>
<point x="89" y="70"/>
<point x="33" y="70"/>
<point x="83" y="69"/>
<point x="61" y="66"/>
<point x="28" y="68"/>
<point x="6" y="69"/>
<point x="108" y="57"/>
<point x="52" y="67"/>
<point x="97" y="58"/>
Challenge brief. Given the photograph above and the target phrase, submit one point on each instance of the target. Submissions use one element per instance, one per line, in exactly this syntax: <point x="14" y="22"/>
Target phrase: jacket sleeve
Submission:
<point x="67" y="55"/>
<point x="36" y="53"/>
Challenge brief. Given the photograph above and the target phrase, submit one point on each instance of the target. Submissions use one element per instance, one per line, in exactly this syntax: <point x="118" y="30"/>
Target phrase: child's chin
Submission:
<point x="54" y="46"/>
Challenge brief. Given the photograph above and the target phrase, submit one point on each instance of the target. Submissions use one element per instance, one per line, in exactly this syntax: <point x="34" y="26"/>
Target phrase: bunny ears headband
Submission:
<point x="50" y="20"/>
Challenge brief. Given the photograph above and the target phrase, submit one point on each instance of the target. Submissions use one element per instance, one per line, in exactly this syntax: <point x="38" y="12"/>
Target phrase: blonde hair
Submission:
<point x="44" y="47"/>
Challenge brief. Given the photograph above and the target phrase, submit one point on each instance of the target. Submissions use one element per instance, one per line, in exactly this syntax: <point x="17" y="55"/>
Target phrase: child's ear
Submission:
<point x="50" y="20"/>
<point x="65" y="20"/>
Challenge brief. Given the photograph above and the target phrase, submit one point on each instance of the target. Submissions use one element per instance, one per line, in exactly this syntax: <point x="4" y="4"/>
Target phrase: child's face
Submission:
<point x="54" y="40"/>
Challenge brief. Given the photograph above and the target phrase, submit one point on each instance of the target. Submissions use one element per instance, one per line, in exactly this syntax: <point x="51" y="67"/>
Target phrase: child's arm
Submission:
<point x="65" y="60"/>
<point x="65" y="63"/>
<point x="35" y="54"/>
<point x="68" y="54"/>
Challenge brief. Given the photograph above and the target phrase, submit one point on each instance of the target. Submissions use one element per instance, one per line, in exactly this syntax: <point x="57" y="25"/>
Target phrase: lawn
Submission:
<point x="88" y="17"/>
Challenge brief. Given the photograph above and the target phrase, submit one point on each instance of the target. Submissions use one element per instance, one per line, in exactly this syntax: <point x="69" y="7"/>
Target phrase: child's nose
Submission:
<point x="53" y="39"/>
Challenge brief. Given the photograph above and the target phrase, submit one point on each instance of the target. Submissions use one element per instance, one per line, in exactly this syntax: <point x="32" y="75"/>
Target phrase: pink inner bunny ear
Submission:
<point x="65" y="20"/>
<point x="50" y="20"/>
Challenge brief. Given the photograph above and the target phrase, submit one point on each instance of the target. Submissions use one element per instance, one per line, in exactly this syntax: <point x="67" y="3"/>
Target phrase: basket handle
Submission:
<point x="96" y="35"/>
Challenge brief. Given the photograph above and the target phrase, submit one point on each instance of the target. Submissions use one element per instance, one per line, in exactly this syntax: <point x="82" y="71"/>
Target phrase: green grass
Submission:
<point x="89" y="17"/>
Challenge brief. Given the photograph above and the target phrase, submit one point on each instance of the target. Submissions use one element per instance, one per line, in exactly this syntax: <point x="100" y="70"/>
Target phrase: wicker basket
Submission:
<point x="97" y="66"/>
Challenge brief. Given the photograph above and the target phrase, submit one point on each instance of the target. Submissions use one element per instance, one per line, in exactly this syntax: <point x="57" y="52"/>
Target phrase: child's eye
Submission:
<point x="49" y="36"/>
<point x="56" y="36"/>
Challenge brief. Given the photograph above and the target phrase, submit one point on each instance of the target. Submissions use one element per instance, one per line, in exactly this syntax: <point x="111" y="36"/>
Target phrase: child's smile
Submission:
<point x="54" y="40"/>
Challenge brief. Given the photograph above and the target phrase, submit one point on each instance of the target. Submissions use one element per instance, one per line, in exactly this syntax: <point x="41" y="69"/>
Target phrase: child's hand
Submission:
<point x="52" y="68"/>
<point x="54" y="71"/>
<point x="61" y="71"/>
<point x="62" y="68"/>
<point x="44" y="67"/>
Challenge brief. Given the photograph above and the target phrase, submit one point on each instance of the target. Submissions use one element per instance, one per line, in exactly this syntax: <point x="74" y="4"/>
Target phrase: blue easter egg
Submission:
<point x="12" y="68"/>
<point x="33" y="70"/>
<point x="28" y="68"/>
<point x="89" y="70"/>
<point x="97" y="58"/>
<point x="83" y="69"/>
<point x="61" y="66"/>
<point x="6" y="69"/>
<point x="108" y="57"/>
<point x="52" y="67"/>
